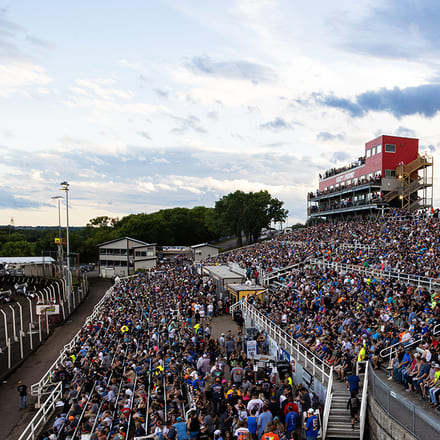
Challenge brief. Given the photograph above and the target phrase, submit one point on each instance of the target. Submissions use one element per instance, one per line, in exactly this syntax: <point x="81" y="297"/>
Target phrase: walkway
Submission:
<point x="13" y="420"/>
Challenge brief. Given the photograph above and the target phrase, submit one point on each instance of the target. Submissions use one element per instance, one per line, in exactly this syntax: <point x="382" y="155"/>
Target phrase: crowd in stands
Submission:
<point x="148" y="365"/>
<point x="352" y="316"/>
<point x="149" y="355"/>
<point x="333" y="171"/>
<point x="346" y="185"/>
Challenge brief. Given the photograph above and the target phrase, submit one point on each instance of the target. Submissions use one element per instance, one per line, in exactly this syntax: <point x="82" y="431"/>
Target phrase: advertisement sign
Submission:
<point x="251" y="348"/>
<point x="49" y="309"/>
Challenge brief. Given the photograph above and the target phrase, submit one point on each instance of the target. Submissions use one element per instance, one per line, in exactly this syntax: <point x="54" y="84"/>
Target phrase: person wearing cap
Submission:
<point x="434" y="389"/>
<point x="311" y="425"/>
<point x="428" y="382"/>
<point x="204" y="433"/>
<point x="218" y="435"/>
<point x="181" y="428"/>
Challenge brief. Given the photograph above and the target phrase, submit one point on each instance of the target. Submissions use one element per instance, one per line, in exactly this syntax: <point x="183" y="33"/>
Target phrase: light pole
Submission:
<point x="65" y="188"/>
<point x="60" y="244"/>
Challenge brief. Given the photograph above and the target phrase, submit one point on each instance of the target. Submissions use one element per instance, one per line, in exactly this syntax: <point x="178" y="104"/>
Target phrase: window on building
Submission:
<point x="373" y="151"/>
<point x="354" y="181"/>
<point x="368" y="153"/>
<point x="378" y="148"/>
<point x="390" y="173"/>
<point x="390" y="148"/>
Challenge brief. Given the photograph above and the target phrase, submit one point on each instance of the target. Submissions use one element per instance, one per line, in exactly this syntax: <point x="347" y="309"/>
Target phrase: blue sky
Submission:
<point x="145" y="105"/>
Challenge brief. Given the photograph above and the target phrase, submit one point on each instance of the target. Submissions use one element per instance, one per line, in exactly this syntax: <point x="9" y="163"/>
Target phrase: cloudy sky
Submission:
<point x="143" y="105"/>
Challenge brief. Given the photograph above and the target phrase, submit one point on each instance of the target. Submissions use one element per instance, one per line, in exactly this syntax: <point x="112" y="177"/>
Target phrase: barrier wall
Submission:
<point x="22" y="329"/>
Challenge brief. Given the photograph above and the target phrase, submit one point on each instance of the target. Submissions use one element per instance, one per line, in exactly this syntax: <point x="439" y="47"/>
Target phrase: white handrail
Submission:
<point x="43" y="415"/>
<point x="384" y="352"/>
<point x="285" y="341"/>
<point x="417" y="280"/>
<point x="38" y="389"/>
<point x="364" y="403"/>
<point x="328" y="404"/>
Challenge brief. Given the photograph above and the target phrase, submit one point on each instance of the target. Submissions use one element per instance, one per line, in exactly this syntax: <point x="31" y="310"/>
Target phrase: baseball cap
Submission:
<point x="310" y="410"/>
<point x="217" y="432"/>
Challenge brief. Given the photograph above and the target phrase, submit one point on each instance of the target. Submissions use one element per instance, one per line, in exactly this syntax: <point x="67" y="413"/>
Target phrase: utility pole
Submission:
<point x="65" y="188"/>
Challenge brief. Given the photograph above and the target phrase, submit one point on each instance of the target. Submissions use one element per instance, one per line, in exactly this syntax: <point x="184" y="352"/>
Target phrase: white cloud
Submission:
<point x="18" y="77"/>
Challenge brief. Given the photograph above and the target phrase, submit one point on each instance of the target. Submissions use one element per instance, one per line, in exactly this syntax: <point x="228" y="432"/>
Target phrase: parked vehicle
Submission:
<point x="6" y="297"/>
<point x="20" y="289"/>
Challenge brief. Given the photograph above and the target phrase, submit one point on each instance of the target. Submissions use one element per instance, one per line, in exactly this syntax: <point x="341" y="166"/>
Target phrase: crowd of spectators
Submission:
<point x="333" y="171"/>
<point x="152" y="341"/>
<point x="147" y="364"/>
<point x="350" y="316"/>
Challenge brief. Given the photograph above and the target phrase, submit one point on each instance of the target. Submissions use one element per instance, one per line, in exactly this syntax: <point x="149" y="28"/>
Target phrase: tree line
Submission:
<point x="238" y="214"/>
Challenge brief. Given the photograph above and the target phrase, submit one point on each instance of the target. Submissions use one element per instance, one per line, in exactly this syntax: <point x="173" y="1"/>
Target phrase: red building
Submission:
<point x="391" y="173"/>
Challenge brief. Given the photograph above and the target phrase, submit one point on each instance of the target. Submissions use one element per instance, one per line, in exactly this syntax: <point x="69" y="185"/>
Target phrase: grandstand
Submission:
<point x="343" y="299"/>
<point x="390" y="174"/>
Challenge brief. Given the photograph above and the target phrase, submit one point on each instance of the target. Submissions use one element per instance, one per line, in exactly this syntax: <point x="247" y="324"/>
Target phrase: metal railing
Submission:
<point x="275" y="274"/>
<point x="328" y="404"/>
<point x="305" y="357"/>
<point x="40" y="388"/>
<point x="388" y="351"/>
<point x="43" y="415"/>
<point x="364" y="403"/>
<point x="416" y="280"/>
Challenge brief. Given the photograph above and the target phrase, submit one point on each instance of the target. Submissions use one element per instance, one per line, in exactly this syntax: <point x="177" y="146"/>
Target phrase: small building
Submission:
<point x="223" y="276"/>
<point x="28" y="266"/>
<point x="240" y="291"/>
<point x="123" y="256"/>
<point x="204" y="250"/>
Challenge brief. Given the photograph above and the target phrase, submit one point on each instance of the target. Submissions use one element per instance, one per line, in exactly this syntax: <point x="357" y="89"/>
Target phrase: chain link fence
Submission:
<point x="412" y="417"/>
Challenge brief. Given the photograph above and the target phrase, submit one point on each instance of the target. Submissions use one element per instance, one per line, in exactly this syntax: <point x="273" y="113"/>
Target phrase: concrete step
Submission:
<point x="340" y="417"/>
<point x="342" y="432"/>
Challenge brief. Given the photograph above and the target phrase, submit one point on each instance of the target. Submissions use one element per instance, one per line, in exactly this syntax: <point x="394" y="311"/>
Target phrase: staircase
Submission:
<point x="339" y="420"/>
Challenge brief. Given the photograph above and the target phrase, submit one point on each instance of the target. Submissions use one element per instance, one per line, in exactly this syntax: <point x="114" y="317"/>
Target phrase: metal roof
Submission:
<point x="26" y="260"/>
<point x="222" y="272"/>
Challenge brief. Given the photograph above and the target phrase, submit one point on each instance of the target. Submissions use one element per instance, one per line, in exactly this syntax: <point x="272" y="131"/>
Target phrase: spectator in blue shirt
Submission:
<point x="353" y="382"/>
<point x="291" y="424"/>
<point x="311" y="426"/>
<point x="398" y="369"/>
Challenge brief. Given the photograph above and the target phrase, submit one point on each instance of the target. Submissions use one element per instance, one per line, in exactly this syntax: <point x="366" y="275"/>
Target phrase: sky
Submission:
<point x="147" y="105"/>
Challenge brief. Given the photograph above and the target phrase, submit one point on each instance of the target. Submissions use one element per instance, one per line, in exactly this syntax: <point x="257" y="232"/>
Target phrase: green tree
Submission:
<point x="19" y="248"/>
<point x="246" y="213"/>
